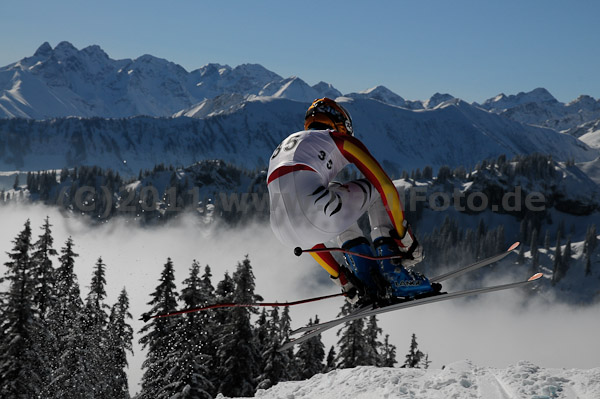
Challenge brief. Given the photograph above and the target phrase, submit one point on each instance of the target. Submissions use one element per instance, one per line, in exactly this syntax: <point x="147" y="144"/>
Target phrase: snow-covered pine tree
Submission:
<point x="388" y="353"/>
<point x="285" y="326"/>
<point x="44" y="271"/>
<point x="209" y="320"/>
<point x="71" y="378"/>
<point x="274" y="363"/>
<point x="238" y="354"/>
<point x="208" y="291"/>
<point x="95" y="321"/>
<point x="261" y="332"/>
<point x="414" y="357"/>
<point x="330" y="361"/>
<point x="352" y="343"/>
<point x="120" y="338"/>
<point x="372" y="332"/>
<point x="22" y="362"/>
<point x="224" y="294"/>
<point x="310" y="355"/>
<point x="189" y="371"/>
<point x="159" y="336"/>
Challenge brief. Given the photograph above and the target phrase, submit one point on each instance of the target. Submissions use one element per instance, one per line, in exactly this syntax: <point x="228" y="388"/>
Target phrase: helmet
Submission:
<point x="327" y="112"/>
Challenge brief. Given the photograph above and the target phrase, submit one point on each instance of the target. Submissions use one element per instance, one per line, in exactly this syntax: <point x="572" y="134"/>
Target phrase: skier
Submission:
<point x="308" y="207"/>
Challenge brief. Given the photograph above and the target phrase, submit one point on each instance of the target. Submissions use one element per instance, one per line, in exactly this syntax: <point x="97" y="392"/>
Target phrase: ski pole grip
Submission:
<point x="298" y="251"/>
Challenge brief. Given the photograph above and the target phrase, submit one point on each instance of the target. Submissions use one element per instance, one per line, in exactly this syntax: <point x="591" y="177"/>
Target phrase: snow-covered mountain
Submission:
<point x="539" y="107"/>
<point x="380" y="93"/>
<point x="245" y="130"/>
<point x="458" y="380"/>
<point x="65" y="81"/>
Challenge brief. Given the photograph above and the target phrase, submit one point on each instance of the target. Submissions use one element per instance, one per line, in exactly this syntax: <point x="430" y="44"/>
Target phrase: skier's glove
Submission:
<point x="409" y="246"/>
<point x="347" y="287"/>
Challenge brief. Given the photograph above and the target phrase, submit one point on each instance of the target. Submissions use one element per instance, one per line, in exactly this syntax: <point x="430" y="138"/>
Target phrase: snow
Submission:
<point x="592" y="139"/>
<point x="458" y="380"/>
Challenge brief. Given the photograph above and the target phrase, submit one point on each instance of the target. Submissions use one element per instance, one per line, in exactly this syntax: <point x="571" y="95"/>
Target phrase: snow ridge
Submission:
<point x="457" y="380"/>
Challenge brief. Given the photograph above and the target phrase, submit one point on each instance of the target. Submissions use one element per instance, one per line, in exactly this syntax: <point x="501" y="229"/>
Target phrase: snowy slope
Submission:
<point x="457" y="380"/>
<point x="245" y="130"/>
<point x="592" y="137"/>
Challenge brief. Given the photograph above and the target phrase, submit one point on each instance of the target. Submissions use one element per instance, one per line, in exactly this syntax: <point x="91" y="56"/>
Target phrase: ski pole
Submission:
<point x="299" y="251"/>
<point x="146" y="317"/>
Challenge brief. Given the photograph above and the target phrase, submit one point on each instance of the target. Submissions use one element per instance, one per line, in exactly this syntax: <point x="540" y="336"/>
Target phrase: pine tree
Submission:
<point x="120" y="338"/>
<point x="535" y="255"/>
<point x="388" y="353"/>
<point x="557" y="268"/>
<point x="71" y="378"/>
<point x="426" y="362"/>
<point x="238" y="354"/>
<point x="261" y="333"/>
<point x="95" y="321"/>
<point x="209" y="320"/>
<point x="310" y="355"/>
<point x="274" y="363"/>
<point x="590" y="244"/>
<point x="330" y="361"/>
<point x="44" y="271"/>
<point x="414" y="356"/>
<point x="189" y="370"/>
<point x="372" y="332"/>
<point x="159" y="336"/>
<point x="566" y="261"/>
<point x="560" y="230"/>
<point x="285" y="326"/>
<point x="352" y="343"/>
<point x="21" y="359"/>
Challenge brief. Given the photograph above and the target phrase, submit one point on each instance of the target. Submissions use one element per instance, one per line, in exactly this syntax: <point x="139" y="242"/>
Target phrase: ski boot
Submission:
<point x="403" y="283"/>
<point x="364" y="272"/>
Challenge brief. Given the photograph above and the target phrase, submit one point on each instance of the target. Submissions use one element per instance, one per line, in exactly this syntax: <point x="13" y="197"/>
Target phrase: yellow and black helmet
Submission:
<point x="325" y="111"/>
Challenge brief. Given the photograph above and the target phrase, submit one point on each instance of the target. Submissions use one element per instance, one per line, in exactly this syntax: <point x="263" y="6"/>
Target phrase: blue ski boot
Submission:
<point x="403" y="283"/>
<point x="363" y="269"/>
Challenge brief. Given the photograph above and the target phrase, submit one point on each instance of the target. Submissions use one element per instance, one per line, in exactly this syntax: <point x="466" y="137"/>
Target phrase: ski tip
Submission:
<point x="535" y="277"/>
<point x="514" y="246"/>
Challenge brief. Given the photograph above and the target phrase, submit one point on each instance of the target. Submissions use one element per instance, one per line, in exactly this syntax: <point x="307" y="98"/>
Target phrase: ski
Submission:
<point x="322" y="327"/>
<point x="475" y="266"/>
<point x="452" y="274"/>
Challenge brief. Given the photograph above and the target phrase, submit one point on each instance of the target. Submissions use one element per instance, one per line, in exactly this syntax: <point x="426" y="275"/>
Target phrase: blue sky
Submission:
<point x="470" y="49"/>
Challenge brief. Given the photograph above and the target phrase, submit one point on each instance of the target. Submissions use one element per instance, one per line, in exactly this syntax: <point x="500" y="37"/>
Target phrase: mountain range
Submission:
<point x="64" y="107"/>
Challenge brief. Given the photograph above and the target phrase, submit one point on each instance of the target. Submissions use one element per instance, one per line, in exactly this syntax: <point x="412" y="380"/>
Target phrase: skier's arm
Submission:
<point x="356" y="152"/>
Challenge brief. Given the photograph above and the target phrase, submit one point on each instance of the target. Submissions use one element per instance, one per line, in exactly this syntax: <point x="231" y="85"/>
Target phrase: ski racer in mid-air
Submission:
<point x="309" y="207"/>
